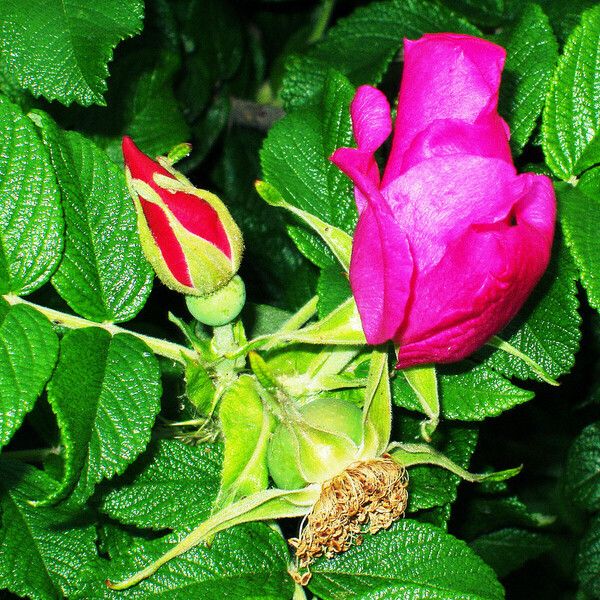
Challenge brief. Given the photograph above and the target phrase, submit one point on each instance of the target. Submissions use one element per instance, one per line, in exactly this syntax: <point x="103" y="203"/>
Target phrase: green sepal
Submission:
<point x="423" y="381"/>
<point x="377" y="409"/>
<point x="246" y="425"/>
<point x="340" y="327"/>
<point x="339" y="242"/>
<point x="200" y="388"/>
<point x="263" y="373"/>
<point x="179" y="152"/>
<point x="262" y="506"/>
<point x="319" y="452"/>
<point x="198" y="339"/>
<point x="409" y="455"/>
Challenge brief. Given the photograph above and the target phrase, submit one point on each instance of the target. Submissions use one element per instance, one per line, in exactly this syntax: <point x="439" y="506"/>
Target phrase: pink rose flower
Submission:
<point x="451" y="240"/>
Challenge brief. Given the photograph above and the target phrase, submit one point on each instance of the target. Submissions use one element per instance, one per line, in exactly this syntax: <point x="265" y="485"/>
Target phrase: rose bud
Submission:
<point x="451" y="241"/>
<point x="187" y="234"/>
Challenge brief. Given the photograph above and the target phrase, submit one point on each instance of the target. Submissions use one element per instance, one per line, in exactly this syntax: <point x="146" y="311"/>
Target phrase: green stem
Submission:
<point x="295" y="321"/>
<point x="270" y="340"/>
<point x="224" y="339"/>
<point x="262" y="506"/>
<point x="161" y="347"/>
<point x="322" y="21"/>
<point x="299" y="593"/>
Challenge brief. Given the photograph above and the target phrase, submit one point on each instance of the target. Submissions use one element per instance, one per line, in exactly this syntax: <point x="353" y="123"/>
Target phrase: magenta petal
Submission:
<point x="139" y="164"/>
<point x="438" y="199"/>
<point x="483" y="279"/>
<point x="198" y="217"/>
<point x="537" y="207"/>
<point x="445" y="77"/>
<point x="486" y="138"/>
<point x="192" y="212"/>
<point x="380" y="273"/>
<point x="371" y="118"/>
<point x="372" y="124"/>
<point x="452" y="241"/>
<point x="362" y="169"/>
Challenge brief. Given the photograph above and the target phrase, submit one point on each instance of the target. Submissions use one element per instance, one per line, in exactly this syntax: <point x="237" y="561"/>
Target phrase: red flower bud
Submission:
<point x="187" y="234"/>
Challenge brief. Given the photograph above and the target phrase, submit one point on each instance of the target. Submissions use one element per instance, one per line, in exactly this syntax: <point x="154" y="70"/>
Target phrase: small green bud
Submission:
<point x="220" y="307"/>
<point x="321" y="444"/>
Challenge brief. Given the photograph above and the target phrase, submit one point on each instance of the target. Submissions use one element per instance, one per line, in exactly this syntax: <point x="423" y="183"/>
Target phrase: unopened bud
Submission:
<point x="187" y="234"/>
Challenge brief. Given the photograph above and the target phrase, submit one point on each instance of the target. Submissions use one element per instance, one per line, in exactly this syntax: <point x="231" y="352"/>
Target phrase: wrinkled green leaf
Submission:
<point x="486" y="514"/>
<point x="411" y="560"/>
<point x="272" y="262"/>
<point x="486" y="12"/>
<point x="141" y="104"/>
<point x="438" y="516"/>
<point x="582" y="483"/>
<point x="588" y="559"/>
<point x="547" y="327"/>
<point x="468" y="392"/>
<point x="338" y="241"/>
<point x="478" y="393"/>
<point x="28" y="352"/>
<point x="571" y="118"/>
<point x="362" y="45"/>
<point x="103" y="275"/>
<point x="580" y="214"/>
<point x="208" y="128"/>
<point x="105" y="394"/>
<point x="43" y="549"/>
<point x="589" y="183"/>
<point x="157" y="122"/>
<point x="212" y="35"/>
<point x="31" y="223"/>
<point x="532" y="52"/>
<point x="565" y="16"/>
<point x="507" y="549"/>
<point x="172" y="486"/>
<point x="12" y="91"/>
<point x="333" y="289"/>
<point x="60" y="49"/>
<point x="295" y="161"/>
<point x="242" y="563"/>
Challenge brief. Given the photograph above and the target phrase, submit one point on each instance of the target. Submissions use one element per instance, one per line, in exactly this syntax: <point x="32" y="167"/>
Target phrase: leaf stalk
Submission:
<point x="161" y="347"/>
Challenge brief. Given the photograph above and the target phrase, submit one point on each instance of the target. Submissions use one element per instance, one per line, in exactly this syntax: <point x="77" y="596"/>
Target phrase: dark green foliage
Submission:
<point x="261" y="89"/>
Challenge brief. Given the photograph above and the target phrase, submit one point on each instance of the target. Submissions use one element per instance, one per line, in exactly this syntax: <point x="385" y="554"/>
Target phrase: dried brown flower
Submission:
<point x="365" y="497"/>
